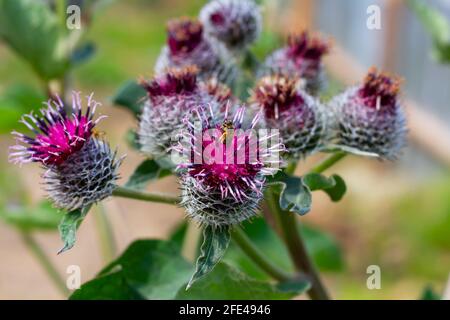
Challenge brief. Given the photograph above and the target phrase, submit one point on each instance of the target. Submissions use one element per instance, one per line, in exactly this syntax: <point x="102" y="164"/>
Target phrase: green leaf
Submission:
<point x="338" y="191"/>
<point x="154" y="269"/>
<point x="109" y="287"/>
<point x="83" y="53"/>
<point x="437" y="26"/>
<point x="33" y="32"/>
<point x="69" y="225"/>
<point x="14" y="102"/>
<point x="428" y="293"/>
<point x="147" y="171"/>
<point x="130" y="96"/>
<point x="132" y="139"/>
<point x="334" y="186"/>
<point x="298" y="286"/>
<point x="324" y="250"/>
<point x="214" y="246"/>
<point x="226" y="282"/>
<point x="41" y="217"/>
<point x="317" y="181"/>
<point x="294" y="195"/>
<point x="148" y="269"/>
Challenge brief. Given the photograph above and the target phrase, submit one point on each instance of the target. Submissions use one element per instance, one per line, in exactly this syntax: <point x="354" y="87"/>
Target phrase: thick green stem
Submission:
<point x="296" y="247"/>
<point x="45" y="262"/>
<point x="106" y="234"/>
<point x="328" y="162"/>
<point x="241" y="239"/>
<point x="61" y="7"/>
<point x="145" y="196"/>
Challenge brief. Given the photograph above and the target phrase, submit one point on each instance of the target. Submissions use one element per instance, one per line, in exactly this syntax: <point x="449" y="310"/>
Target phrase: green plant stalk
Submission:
<point x="125" y="192"/>
<point x="45" y="262"/>
<point x="287" y="223"/>
<point x="241" y="239"/>
<point x="328" y="162"/>
<point x="61" y="7"/>
<point x="105" y="233"/>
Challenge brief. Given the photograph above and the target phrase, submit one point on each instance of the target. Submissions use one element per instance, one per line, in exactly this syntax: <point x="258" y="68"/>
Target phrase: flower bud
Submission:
<point x="301" y="58"/>
<point x="171" y="98"/>
<point x="186" y="45"/>
<point x="235" y="23"/>
<point x="300" y="117"/>
<point x="221" y="93"/>
<point x="369" y="117"/>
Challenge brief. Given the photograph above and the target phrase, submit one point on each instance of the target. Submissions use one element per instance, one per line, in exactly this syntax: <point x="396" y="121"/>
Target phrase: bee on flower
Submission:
<point x="225" y="164"/>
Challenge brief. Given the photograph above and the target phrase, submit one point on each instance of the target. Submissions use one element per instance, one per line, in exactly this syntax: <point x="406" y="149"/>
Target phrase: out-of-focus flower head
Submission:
<point x="221" y="92"/>
<point x="370" y="118"/>
<point x="80" y="167"/>
<point x="186" y="45"/>
<point x="223" y="173"/>
<point x="301" y="118"/>
<point x="235" y="23"/>
<point x="172" y="96"/>
<point x="300" y="58"/>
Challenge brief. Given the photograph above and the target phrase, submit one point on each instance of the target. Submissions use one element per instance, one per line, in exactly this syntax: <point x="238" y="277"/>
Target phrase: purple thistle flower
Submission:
<point x="301" y="118"/>
<point x="186" y="46"/>
<point x="171" y="97"/>
<point x="301" y="58"/>
<point x="81" y="169"/>
<point x="235" y="23"/>
<point x="223" y="175"/>
<point x="369" y="117"/>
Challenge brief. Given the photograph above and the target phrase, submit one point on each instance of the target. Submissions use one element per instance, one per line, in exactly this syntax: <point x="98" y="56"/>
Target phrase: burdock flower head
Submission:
<point x="171" y="97"/>
<point x="220" y="92"/>
<point x="186" y="45"/>
<point x="301" y="119"/>
<point x="235" y="23"/>
<point x="81" y="168"/>
<point x="301" y="58"/>
<point x="369" y="116"/>
<point x="224" y="167"/>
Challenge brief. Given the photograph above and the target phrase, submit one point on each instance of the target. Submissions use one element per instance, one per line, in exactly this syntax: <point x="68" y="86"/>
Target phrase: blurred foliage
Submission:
<point x="429" y="294"/>
<point x="437" y="26"/>
<point x="148" y="171"/>
<point x="154" y="269"/>
<point x="33" y="32"/>
<point x="30" y="218"/>
<point x="424" y="217"/>
<point x="324" y="249"/>
<point x="14" y="102"/>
